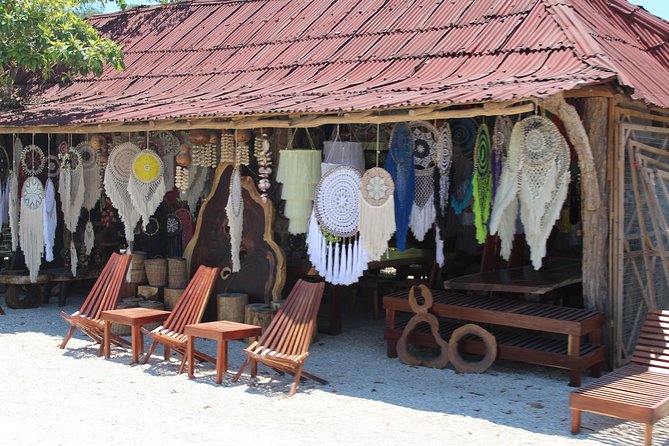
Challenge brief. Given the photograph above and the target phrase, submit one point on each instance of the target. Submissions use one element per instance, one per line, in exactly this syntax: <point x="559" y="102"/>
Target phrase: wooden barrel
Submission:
<point x="156" y="271"/>
<point x="231" y="306"/>
<point x="258" y="314"/>
<point x="136" y="273"/>
<point x="177" y="275"/>
<point x="171" y="297"/>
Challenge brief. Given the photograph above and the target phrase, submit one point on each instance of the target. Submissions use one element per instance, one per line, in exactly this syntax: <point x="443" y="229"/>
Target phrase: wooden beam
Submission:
<point x="642" y="115"/>
<point x="597" y="91"/>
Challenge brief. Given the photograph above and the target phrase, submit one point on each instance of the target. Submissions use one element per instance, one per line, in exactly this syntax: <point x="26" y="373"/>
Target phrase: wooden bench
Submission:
<point x="517" y="325"/>
<point x="638" y="391"/>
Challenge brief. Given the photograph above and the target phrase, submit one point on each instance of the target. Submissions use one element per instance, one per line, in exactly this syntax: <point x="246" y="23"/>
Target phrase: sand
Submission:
<point x="62" y="397"/>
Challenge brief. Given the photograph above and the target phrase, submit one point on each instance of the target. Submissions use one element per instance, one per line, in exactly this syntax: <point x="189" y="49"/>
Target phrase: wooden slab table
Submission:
<point x="63" y="276"/>
<point x="221" y="332"/>
<point x="135" y="318"/>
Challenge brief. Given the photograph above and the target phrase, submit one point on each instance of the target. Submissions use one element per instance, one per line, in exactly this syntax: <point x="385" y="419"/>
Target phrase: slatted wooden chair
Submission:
<point x="638" y="391"/>
<point x="103" y="296"/>
<point x="188" y="310"/>
<point x="284" y="346"/>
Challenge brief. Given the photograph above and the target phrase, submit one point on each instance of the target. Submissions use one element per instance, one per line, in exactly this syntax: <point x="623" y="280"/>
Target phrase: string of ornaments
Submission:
<point x="263" y="154"/>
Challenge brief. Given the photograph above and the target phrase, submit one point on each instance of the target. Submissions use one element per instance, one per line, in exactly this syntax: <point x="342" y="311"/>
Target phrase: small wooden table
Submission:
<point x="221" y="332"/>
<point x="135" y="318"/>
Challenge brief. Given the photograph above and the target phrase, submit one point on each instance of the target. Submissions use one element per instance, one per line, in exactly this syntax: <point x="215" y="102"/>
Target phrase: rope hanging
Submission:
<point x="399" y="165"/>
<point x="74" y="259"/>
<point x="146" y="184"/>
<point x="234" y="210"/>
<point x="31" y="231"/>
<point x="482" y="183"/>
<point x="117" y="175"/>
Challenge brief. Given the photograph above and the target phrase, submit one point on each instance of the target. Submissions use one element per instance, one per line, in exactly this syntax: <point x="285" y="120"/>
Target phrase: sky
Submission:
<point x="658" y="7"/>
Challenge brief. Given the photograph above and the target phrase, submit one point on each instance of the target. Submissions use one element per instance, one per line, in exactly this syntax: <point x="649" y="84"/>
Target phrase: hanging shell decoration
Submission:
<point x="263" y="153"/>
<point x="181" y="178"/>
<point x="227" y="147"/>
<point x="204" y="154"/>
<point x="183" y="157"/>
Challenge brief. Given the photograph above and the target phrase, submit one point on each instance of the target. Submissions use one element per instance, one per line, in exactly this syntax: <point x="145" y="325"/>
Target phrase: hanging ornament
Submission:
<point x="172" y="225"/>
<point x="242" y="138"/>
<point x="482" y="183"/>
<point x="171" y="145"/>
<point x="91" y="171"/>
<point x="424" y="144"/>
<point x="89" y="237"/>
<point x="146" y="185"/>
<point x="32" y="160"/>
<point x="424" y="151"/>
<point x="263" y="154"/>
<point x="463" y="132"/>
<point x="227" y="147"/>
<point x="400" y="166"/>
<point x="500" y="145"/>
<point x="441" y="188"/>
<point x="74" y="259"/>
<point x="117" y="176"/>
<point x="30" y="230"/>
<point x="181" y="180"/>
<point x="71" y="188"/>
<point x="14" y="209"/>
<point x="235" y="213"/>
<point x="50" y="219"/>
<point x="377" y="211"/>
<point x="298" y="171"/>
<point x="53" y="166"/>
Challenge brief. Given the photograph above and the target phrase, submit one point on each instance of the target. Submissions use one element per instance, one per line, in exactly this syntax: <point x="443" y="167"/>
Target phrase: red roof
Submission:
<point x="227" y="58"/>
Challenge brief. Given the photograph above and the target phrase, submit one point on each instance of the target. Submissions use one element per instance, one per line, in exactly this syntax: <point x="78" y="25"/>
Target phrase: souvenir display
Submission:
<point x="30" y="230"/>
<point x="242" y="152"/>
<point x="89" y="237"/>
<point x="181" y="179"/>
<point x="441" y="188"/>
<point x="536" y="179"/>
<point x="50" y="219"/>
<point x="463" y="134"/>
<point x="170" y="145"/>
<point x="400" y="166"/>
<point x="263" y="154"/>
<point x="377" y="211"/>
<point x="227" y="147"/>
<point x="299" y="171"/>
<point x="91" y="173"/>
<point x="482" y="183"/>
<point x="333" y="247"/>
<point x="203" y="150"/>
<point x="235" y="213"/>
<point x="500" y="145"/>
<point x="117" y="176"/>
<point x="71" y="188"/>
<point x="146" y="184"/>
<point x="14" y="209"/>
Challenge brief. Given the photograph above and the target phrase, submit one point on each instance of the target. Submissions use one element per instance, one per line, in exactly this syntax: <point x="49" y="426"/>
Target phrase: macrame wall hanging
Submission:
<point x="482" y="183"/>
<point x="71" y="188"/>
<point x="170" y="147"/>
<point x="537" y="176"/>
<point x="263" y="153"/>
<point x="425" y="138"/>
<point x="400" y="166"/>
<point x="197" y="182"/>
<point x="463" y="133"/>
<point x="14" y="209"/>
<point x="235" y="213"/>
<point x="146" y="184"/>
<point x="333" y="247"/>
<point x="50" y="219"/>
<point x="117" y="176"/>
<point x="91" y="174"/>
<point x="299" y="171"/>
<point x="500" y="145"/>
<point x="377" y="211"/>
<point x="31" y="231"/>
<point x="441" y="188"/>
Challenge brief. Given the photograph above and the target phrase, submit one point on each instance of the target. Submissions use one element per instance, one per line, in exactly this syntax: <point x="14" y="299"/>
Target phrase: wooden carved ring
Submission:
<point x="406" y="357"/>
<point x="464" y="366"/>
<point x="427" y="296"/>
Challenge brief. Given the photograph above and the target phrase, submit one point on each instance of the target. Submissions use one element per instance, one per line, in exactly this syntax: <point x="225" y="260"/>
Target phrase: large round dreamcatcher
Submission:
<point x="424" y="144"/>
<point x="32" y="160"/>
<point x="482" y="183"/>
<point x="30" y="229"/>
<point x="377" y="211"/>
<point x="425" y="137"/>
<point x="117" y="175"/>
<point x="146" y="184"/>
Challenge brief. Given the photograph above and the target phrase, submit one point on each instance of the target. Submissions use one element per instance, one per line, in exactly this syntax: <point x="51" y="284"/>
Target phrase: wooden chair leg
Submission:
<point x="575" y="421"/>
<point x="648" y="437"/>
<point x="296" y="381"/>
<point x="167" y="353"/>
<point x="67" y="337"/>
<point x="182" y="365"/>
<point x="254" y="368"/>
<point x="150" y="352"/>
<point x="241" y="369"/>
<point x="314" y="378"/>
<point x="2" y="312"/>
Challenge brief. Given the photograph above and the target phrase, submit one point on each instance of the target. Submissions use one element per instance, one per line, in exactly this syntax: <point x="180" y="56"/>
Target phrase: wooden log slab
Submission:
<point x="21" y="293"/>
<point x="259" y="314"/>
<point x="171" y="296"/>
<point x="231" y="306"/>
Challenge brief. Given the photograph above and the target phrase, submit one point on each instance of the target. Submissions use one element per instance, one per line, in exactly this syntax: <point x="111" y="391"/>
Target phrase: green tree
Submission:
<point x="38" y="36"/>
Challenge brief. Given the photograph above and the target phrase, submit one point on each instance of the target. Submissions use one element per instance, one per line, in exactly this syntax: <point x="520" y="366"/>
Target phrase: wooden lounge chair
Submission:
<point x="638" y="391"/>
<point x="103" y="296"/>
<point x="188" y="310"/>
<point x="284" y="346"/>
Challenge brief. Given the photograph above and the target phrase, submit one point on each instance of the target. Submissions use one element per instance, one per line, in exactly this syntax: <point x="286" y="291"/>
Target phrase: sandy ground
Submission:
<point x="57" y="397"/>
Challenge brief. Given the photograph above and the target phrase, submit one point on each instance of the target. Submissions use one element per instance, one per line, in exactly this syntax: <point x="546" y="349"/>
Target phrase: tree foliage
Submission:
<point x="40" y="36"/>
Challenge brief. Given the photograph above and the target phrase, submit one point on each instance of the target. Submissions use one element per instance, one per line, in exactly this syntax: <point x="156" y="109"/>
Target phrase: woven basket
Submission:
<point x="156" y="271"/>
<point x="171" y="297"/>
<point x="120" y="329"/>
<point x="177" y="276"/>
<point x="136" y="273"/>
<point x="154" y="305"/>
<point x="148" y="292"/>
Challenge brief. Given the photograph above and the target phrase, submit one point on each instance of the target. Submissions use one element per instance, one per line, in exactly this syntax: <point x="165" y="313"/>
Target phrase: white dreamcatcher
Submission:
<point x="425" y="147"/>
<point x="30" y="229"/>
<point x="71" y="188"/>
<point x="117" y="175"/>
<point x="235" y="213"/>
<point x="146" y="184"/>
<point x="91" y="173"/>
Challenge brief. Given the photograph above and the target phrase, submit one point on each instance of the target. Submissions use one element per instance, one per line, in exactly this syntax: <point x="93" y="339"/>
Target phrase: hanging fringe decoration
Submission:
<point x="146" y="185"/>
<point x="30" y="230"/>
<point x="235" y="213"/>
<point x="74" y="259"/>
<point x="462" y="170"/>
<point x="14" y="210"/>
<point x="500" y="146"/>
<point x="422" y="212"/>
<point x="91" y="174"/>
<point x="482" y="183"/>
<point x="400" y="166"/>
<point x="263" y="154"/>
<point x="50" y="219"/>
<point x="298" y="171"/>
<point x="170" y="144"/>
<point x="377" y="211"/>
<point x="4" y="203"/>
<point x="117" y="175"/>
<point x="89" y="237"/>
<point x="71" y="188"/>
<point x="442" y="183"/>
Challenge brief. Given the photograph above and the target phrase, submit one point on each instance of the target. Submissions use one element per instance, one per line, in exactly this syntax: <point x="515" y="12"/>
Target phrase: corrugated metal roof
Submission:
<point x="228" y="58"/>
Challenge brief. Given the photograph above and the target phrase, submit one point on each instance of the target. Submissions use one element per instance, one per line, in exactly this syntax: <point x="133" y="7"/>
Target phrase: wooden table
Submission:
<point x="221" y="332"/>
<point x="524" y="279"/>
<point x="135" y="318"/>
<point x="63" y="276"/>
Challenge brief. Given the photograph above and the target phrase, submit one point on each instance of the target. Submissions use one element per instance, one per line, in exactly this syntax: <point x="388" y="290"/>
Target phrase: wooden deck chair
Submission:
<point x="188" y="310"/>
<point x="284" y="346"/>
<point x="103" y="296"/>
<point x="638" y="391"/>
